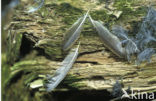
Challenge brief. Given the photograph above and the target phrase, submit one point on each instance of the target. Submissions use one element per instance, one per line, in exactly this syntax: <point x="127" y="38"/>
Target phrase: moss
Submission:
<point x="73" y="82"/>
<point x="129" y="10"/>
<point x="141" y="11"/>
<point x="52" y="49"/>
<point x="102" y="15"/>
<point x="30" y="78"/>
<point x="66" y="11"/>
<point x="29" y="68"/>
<point x="70" y="82"/>
<point x="22" y="64"/>
<point x="13" y="47"/>
<point x="44" y="12"/>
<point x="102" y="1"/>
<point x="5" y="72"/>
<point x="69" y="13"/>
<point x="53" y="52"/>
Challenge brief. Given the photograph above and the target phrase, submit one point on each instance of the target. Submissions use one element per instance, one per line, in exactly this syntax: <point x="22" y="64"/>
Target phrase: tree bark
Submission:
<point x="96" y="69"/>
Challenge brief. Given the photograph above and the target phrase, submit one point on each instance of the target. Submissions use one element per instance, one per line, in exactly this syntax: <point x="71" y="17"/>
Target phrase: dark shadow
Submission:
<point x="88" y="95"/>
<point x="26" y="46"/>
<point x="91" y="62"/>
<point x="84" y="53"/>
<point x="82" y="95"/>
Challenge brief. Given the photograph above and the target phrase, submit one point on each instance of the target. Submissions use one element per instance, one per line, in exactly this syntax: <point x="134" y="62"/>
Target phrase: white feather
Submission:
<point x="109" y="40"/>
<point x="62" y="71"/>
<point x="74" y="32"/>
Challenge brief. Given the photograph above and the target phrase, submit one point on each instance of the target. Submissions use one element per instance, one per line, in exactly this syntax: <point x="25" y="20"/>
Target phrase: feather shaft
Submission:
<point x="110" y="41"/>
<point x="62" y="71"/>
<point x="74" y="32"/>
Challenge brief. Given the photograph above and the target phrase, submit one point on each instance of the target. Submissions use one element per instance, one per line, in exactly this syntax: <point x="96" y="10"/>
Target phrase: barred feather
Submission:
<point x="62" y="71"/>
<point x="74" y="32"/>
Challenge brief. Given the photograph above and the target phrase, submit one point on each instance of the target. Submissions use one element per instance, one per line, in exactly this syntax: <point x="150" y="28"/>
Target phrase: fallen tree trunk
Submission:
<point x="96" y="70"/>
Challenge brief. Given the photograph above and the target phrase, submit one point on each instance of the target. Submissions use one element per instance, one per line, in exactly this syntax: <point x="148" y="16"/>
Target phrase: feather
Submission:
<point x="131" y="49"/>
<point x="147" y="30"/>
<point x="145" y="55"/>
<point x="151" y="17"/>
<point x="33" y="9"/>
<point x="130" y="45"/>
<point x="74" y="32"/>
<point x="110" y="41"/>
<point x="120" y="32"/>
<point x="62" y="71"/>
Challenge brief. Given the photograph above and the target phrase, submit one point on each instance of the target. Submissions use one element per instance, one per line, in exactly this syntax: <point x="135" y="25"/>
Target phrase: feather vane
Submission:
<point x="145" y="55"/>
<point x="130" y="45"/>
<point x="74" y="32"/>
<point x="110" y="41"/>
<point x="62" y="71"/>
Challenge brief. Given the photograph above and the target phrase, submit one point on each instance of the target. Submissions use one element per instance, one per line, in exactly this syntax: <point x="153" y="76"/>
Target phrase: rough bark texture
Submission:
<point x="96" y="69"/>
